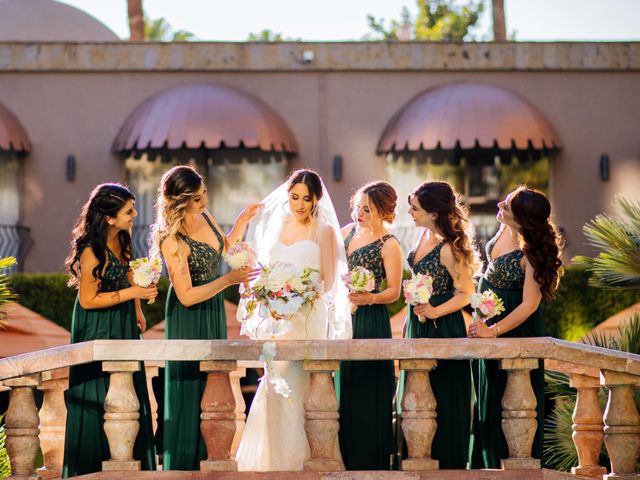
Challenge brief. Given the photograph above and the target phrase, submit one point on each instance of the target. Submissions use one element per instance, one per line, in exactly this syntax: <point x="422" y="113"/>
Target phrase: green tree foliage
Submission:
<point x="268" y="35"/>
<point x="617" y="240"/>
<point x="6" y="295"/>
<point x="437" y="20"/>
<point x="5" y="465"/>
<point x="159" y="30"/>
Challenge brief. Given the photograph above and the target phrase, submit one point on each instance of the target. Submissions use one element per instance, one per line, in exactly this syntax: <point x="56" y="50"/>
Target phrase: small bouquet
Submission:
<point x="417" y="291"/>
<point x="486" y="305"/>
<point x="240" y="255"/>
<point x="146" y="272"/>
<point x="359" y="280"/>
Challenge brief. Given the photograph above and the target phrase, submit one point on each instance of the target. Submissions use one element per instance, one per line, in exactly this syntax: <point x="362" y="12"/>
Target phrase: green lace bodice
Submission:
<point x="430" y="263"/>
<point x="115" y="276"/>
<point x="504" y="271"/>
<point x="368" y="256"/>
<point x="203" y="260"/>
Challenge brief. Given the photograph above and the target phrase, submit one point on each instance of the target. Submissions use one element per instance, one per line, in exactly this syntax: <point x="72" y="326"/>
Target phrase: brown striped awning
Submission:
<point x="468" y="116"/>
<point x="13" y="135"/>
<point x="209" y="116"/>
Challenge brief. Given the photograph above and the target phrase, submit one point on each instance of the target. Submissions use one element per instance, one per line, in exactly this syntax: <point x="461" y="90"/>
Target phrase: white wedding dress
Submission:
<point x="274" y="438"/>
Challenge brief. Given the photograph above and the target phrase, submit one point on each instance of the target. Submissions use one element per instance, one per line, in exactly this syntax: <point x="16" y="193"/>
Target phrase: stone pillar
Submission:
<point x="218" y="416"/>
<point x="321" y="416"/>
<point x="235" y="377"/>
<point x="53" y="416"/>
<point x="587" y="427"/>
<point x="121" y="416"/>
<point x="151" y="372"/>
<point x="519" y="414"/>
<point x="622" y="424"/>
<point x="418" y="414"/>
<point x="21" y="426"/>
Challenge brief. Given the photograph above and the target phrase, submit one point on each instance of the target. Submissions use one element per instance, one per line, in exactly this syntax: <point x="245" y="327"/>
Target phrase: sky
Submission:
<point x="338" y="20"/>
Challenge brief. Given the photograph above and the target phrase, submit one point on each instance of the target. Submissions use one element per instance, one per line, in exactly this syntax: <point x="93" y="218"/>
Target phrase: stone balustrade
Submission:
<point x="222" y="407"/>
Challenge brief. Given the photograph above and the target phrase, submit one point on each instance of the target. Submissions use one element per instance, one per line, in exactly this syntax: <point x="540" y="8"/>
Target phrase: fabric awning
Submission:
<point x="204" y="116"/>
<point x="27" y="331"/>
<point x="468" y="116"/>
<point x="13" y="135"/>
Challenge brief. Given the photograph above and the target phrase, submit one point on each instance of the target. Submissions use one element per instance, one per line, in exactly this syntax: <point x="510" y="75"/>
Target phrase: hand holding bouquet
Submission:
<point x="146" y="272"/>
<point x="417" y="291"/>
<point x="359" y="280"/>
<point x="240" y="255"/>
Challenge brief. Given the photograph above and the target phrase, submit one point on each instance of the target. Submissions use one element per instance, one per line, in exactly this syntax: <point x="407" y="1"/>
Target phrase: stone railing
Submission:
<point x="223" y="409"/>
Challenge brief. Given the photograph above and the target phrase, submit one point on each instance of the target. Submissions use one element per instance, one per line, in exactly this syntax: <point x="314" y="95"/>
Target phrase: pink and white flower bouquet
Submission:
<point x="146" y="272"/>
<point x="240" y="255"/>
<point x="486" y="305"/>
<point x="417" y="291"/>
<point x="359" y="279"/>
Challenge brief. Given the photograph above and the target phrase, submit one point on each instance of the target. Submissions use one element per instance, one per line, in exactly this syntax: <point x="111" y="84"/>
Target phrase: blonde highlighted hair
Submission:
<point x="177" y="187"/>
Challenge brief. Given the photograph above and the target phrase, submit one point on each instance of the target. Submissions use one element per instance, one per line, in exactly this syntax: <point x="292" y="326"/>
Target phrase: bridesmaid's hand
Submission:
<point x="242" y="275"/>
<point x="480" y="330"/>
<point x="249" y="212"/>
<point x="361" y="298"/>
<point x="144" y="293"/>
<point x="426" y="310"/>
<point x="142" y="324"/>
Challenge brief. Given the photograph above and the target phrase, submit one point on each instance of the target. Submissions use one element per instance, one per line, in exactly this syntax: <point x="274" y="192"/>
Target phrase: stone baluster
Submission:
<point x="235" y="377"/>
<point x="622" y="423"/>
<point x="218" y="416"/>
<point x="53" y="416"/>
<point x="418" y="414"/>
<point x="121" y="416"/>
<point x="152" y="371"/>
<point x="588" y="432"/>
<point x="21" y="426"/>
<point x="321" y="416"/>
<point x="519" y="422"/>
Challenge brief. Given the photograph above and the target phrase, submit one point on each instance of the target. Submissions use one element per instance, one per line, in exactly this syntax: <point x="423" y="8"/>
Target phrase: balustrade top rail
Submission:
<point x="574" y="357"/>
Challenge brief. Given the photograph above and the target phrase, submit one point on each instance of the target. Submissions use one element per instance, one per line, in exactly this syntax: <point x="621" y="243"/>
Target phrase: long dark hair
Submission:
<point x="311" y="179"/>
<point x="452" y="220"/>
<point x="90" y="229"/>
<point x="542" y="242"/>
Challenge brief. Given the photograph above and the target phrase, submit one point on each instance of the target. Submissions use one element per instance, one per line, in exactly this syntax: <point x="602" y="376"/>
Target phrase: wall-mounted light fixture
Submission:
<point x="337" y="167"/>
<point x="604" y="167"/>
<point x="71" y="167"/>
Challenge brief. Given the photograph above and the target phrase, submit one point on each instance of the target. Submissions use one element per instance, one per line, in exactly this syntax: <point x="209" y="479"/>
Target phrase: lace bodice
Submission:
<point x="430" y="263"/>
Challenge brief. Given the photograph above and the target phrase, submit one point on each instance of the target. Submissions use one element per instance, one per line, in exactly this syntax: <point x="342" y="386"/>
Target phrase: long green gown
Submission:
<point x="86" y="444"/>
<point x="451" y="379"/>
<point x="183" y="445"/>
<point x="505" y="276"/>
<point x="366" y="388"/>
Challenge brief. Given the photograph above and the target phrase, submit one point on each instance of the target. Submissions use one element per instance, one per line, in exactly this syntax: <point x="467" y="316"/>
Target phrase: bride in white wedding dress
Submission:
<point x="297" y="225"/>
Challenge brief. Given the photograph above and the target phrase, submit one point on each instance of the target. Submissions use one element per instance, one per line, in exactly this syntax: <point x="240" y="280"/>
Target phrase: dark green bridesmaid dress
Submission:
<point x="366" y="388"/>
<point x="451" y="379"/>
<point x="505" y="276"/>
<point x="183" y="445"/>
<point x="86" y="444"/>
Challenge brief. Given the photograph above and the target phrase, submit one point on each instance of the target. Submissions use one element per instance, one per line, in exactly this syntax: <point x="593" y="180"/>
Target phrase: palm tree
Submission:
<point x="136" y="20"/>
<point x="617" y="239"/>
<point x="499" y="23"/>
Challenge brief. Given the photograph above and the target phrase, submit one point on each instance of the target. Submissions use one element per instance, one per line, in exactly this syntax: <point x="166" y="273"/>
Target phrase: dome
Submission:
<point x="50" y="21"/>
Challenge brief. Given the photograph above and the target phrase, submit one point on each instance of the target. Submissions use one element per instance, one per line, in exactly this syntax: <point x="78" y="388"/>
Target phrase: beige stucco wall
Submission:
<point x="78" y="107"/>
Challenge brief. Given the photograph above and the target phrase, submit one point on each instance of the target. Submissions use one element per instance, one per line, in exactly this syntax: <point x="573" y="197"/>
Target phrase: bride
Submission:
<point x="297" y="225"/>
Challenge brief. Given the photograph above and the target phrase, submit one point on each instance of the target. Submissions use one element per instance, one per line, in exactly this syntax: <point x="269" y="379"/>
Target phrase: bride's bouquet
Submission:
<point x="281" y="291"/>
<point x="486" y="305"/>
<point x="359" y="280"/>
<point x="240" y="255"/>
<point x="146" y="272"/>
<point x="417" y="291"/>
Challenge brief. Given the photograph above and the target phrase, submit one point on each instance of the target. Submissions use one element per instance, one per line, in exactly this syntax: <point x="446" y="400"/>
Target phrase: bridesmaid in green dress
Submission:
<point x="191" y="243"/>
<point x="366" y="388"/>
<point x="445" y="251"/>
<point x="107" y="307"/>
<point x="524" y="269"/>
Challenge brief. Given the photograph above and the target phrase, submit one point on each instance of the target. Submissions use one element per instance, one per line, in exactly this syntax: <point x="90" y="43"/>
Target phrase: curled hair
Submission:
<point x="177" y="187"/>
<point x="542" y="242"/>
<point x="382" y="195"/>
<point x="309" y="178"/>
<point x="452" y="221"/>
<point x="91" y="228"/>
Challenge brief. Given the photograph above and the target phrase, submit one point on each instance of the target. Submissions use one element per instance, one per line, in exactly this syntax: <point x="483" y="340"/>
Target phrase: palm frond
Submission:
<point x="557" y="385"/>
<point x="559" y="450"/>
<point x="5" y="465"/>
<point x="625" y="339"/>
